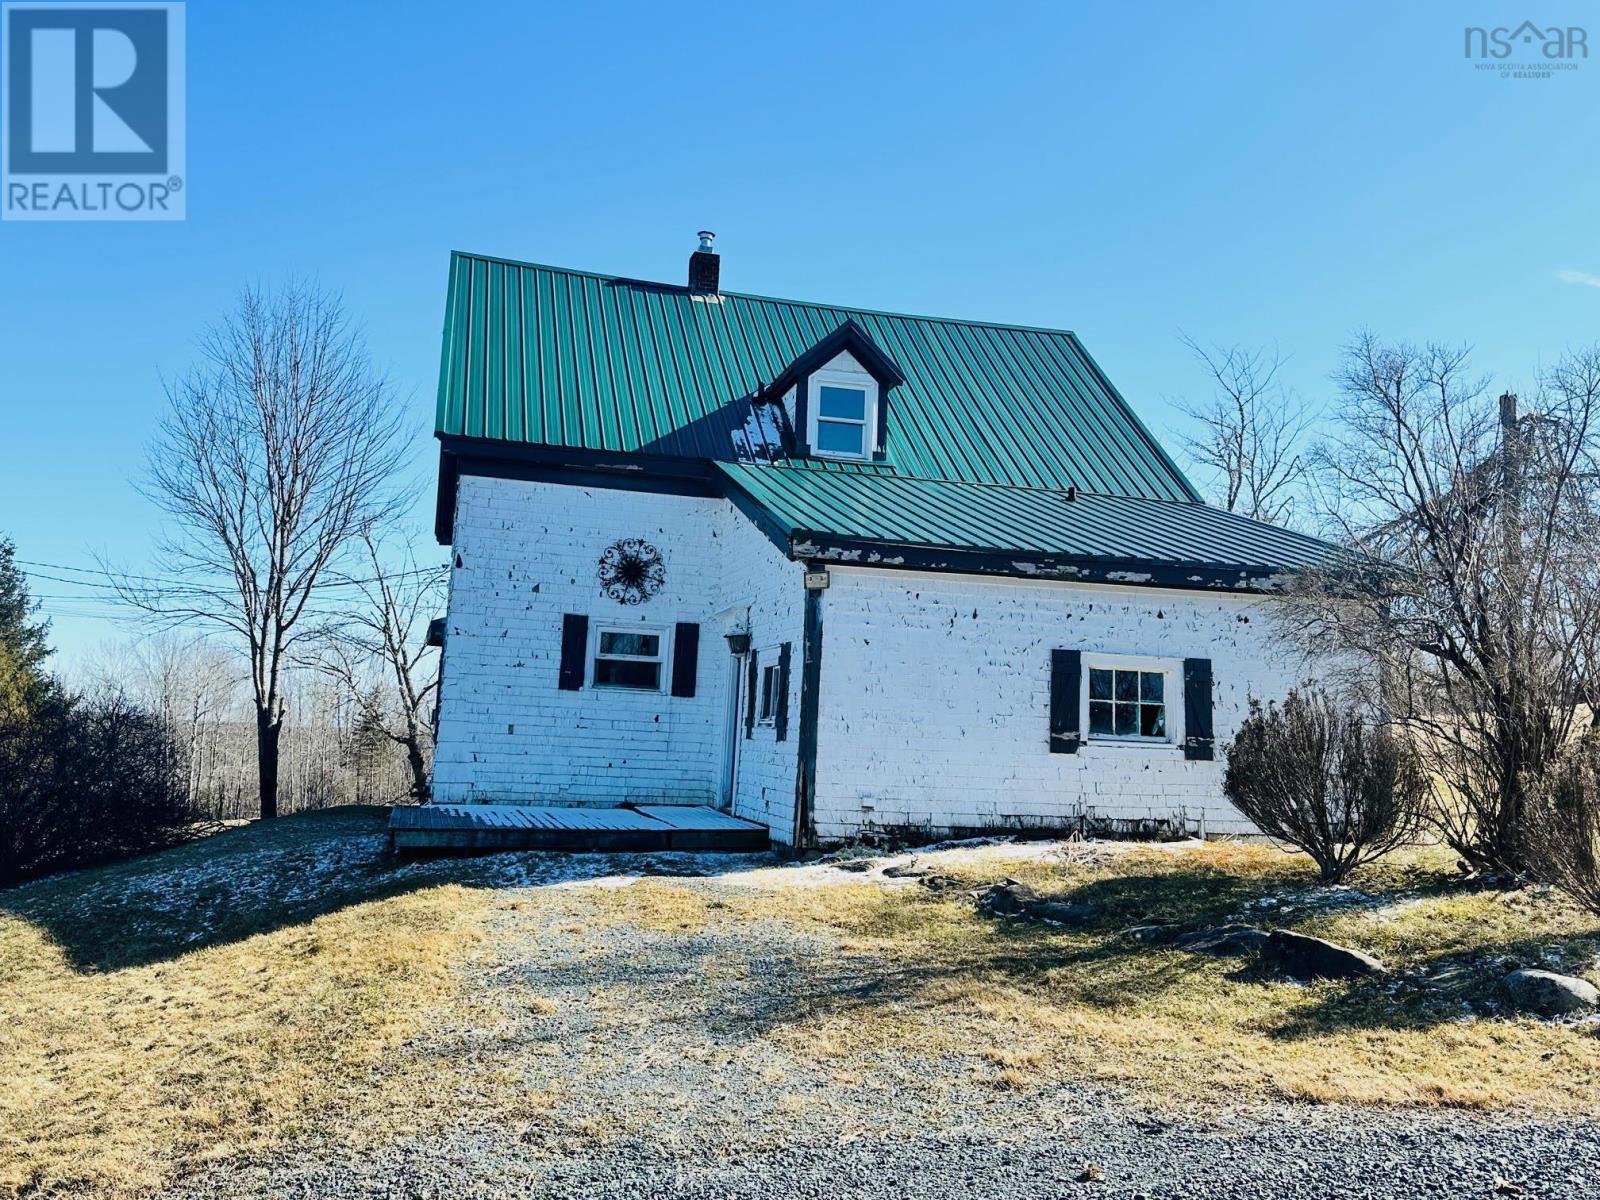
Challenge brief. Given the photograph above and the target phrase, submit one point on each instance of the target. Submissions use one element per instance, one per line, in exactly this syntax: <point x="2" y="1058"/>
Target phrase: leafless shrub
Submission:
<point x="1564" y="832"/>
<point x="1325" y="780"/>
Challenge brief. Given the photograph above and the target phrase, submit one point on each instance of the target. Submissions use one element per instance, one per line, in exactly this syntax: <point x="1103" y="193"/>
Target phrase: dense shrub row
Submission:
<point x="85" y="781"/>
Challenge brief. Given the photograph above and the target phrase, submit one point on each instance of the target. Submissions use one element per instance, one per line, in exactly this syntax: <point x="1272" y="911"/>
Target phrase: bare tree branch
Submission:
<point x="277" y="451"/>
<point x="1253" y="432"/>
<point x="381" y="629"/>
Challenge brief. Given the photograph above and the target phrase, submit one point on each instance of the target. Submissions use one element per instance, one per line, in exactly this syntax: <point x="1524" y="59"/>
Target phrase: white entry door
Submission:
<point x="730" y="740"/>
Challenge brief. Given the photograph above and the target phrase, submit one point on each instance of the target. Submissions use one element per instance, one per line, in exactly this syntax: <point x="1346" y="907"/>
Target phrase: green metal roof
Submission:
<point x="876" y="519"/>
<point x="542" y="356"/>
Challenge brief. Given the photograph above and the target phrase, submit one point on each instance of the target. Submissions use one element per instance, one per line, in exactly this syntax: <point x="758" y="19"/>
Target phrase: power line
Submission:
<point x="110" y="587"/>
<point x="178" y="585"/>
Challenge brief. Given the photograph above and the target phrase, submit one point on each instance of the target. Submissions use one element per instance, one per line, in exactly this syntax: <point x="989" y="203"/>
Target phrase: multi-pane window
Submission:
<point x="842" y="414"/>
<point x="768" y="709"/>
<point x="628" y="658"/>
<point x="1127" y="704"/>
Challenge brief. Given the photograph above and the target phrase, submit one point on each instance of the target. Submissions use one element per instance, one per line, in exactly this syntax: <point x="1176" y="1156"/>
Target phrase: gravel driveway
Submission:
<point x="653" y="1048"/>
<point x="1284" y="1156"/>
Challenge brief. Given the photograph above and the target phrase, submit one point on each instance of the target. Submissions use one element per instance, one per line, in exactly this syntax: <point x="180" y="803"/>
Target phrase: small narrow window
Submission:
<point x="768" y="711"/>
<point x="842" y="421"/>
<point x="1127" y="704"/>
<point x="628" y="658"/>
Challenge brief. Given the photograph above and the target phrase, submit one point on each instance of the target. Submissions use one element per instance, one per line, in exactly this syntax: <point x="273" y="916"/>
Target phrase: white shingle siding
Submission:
<point x="525" y="554"/>
<point x="936" y="706"/>
<point x="934" y="701"/>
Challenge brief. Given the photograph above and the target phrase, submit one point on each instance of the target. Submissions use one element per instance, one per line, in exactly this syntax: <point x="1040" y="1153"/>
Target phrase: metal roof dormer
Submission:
<point x="844" y="363"/>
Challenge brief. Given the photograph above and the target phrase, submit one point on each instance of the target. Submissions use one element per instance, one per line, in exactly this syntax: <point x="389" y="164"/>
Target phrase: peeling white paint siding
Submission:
<point x="935" y="703"/>
<point x="527" y="553"/>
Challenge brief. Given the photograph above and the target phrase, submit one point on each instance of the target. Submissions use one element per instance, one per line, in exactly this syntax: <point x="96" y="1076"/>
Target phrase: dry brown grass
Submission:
<point x="1044" y="1004"/>
<point x="123" y="1056"/>
<point x="273" y="982"/>
<point x="657" y="905"/>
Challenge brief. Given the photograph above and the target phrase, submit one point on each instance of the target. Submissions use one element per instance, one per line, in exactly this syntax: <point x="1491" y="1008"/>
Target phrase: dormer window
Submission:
<point x="843" y="420"/>
<point x="836" y="397"/>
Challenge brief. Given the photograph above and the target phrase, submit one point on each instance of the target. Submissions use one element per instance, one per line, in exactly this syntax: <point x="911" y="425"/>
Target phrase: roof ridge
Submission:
<point x="818" y="304"/>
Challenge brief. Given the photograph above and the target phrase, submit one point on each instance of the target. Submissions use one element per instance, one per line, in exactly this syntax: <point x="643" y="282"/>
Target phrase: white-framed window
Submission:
<point x="767" y="708"/>
<point x="842" y="415"/>
<point x="1132" y="698"/>
<point x="630" y="657"/>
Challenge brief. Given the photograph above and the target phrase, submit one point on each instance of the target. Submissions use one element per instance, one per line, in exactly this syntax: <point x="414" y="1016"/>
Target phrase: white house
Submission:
<point x="836" y="571"/>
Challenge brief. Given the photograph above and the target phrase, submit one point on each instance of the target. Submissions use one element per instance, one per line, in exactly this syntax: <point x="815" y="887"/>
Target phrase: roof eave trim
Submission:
<point x="577" y="466"/>
<point x="820" y="547"/>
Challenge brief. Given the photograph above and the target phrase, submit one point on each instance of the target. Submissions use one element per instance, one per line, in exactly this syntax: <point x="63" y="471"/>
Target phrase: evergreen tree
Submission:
<point x="23" y="645"/>
<point x="369" y="738"/>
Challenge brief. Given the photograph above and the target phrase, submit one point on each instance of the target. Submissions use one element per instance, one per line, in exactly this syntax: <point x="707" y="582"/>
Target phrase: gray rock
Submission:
<point x="910" y="870"/>
<point x="1305" y="957"/>
<point x="1066" y="914"/>
<point x="1006" y="899"/>
<point x="852" y="864"/>
<point x="1551" y="995"/>
<point x="1224" y="940"/>
<point x="1153" y="932"/>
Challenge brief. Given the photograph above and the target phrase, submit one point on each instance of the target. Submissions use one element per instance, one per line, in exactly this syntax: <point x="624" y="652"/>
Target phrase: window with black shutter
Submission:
<point x="685" y="658"/>
<point x="1199" y="741"/>
<point x="780" y="708"/>
<point x="574" y="647"/>
<point x="752" y="678"/>
<point x="629" y="657"/>
<point x="1066" y="670"/>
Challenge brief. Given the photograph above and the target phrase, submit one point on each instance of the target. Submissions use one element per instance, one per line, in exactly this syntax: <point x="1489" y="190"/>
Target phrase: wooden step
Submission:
<point x="492" y="827"/>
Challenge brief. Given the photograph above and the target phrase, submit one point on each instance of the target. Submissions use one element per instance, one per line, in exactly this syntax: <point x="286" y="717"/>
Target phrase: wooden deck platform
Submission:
<point x="489" y="827"/>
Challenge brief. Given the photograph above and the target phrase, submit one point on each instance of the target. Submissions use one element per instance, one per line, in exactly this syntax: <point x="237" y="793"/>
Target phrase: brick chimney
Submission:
<point x="705" y="266"/>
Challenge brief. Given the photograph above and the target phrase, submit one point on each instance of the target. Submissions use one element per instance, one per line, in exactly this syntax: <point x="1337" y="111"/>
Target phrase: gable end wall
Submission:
<point x="528" y="553"/>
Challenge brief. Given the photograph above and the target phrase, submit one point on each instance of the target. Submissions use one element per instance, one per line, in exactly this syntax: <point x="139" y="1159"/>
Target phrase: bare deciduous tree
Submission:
<point x="382" y="628"/>
<point x="1483" y="625"/>
<point x="275" y="453"/>
<point x="1253" y="432"/>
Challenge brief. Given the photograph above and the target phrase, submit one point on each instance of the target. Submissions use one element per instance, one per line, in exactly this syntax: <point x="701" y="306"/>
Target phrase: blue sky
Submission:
<point x="1250" y="173"/>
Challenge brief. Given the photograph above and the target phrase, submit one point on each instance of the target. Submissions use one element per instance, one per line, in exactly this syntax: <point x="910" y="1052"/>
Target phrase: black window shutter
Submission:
<point x="574" y="648"/>
<point x="750" y="696"/>
<point x="685" y="658"/>
<point x="1198" y="739"/>
<point x="780" y="720"/>
<point x="1066" y="683"/>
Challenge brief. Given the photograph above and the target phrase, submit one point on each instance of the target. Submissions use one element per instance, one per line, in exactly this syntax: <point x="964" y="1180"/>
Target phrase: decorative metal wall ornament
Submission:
<point x="631" y="571"/>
